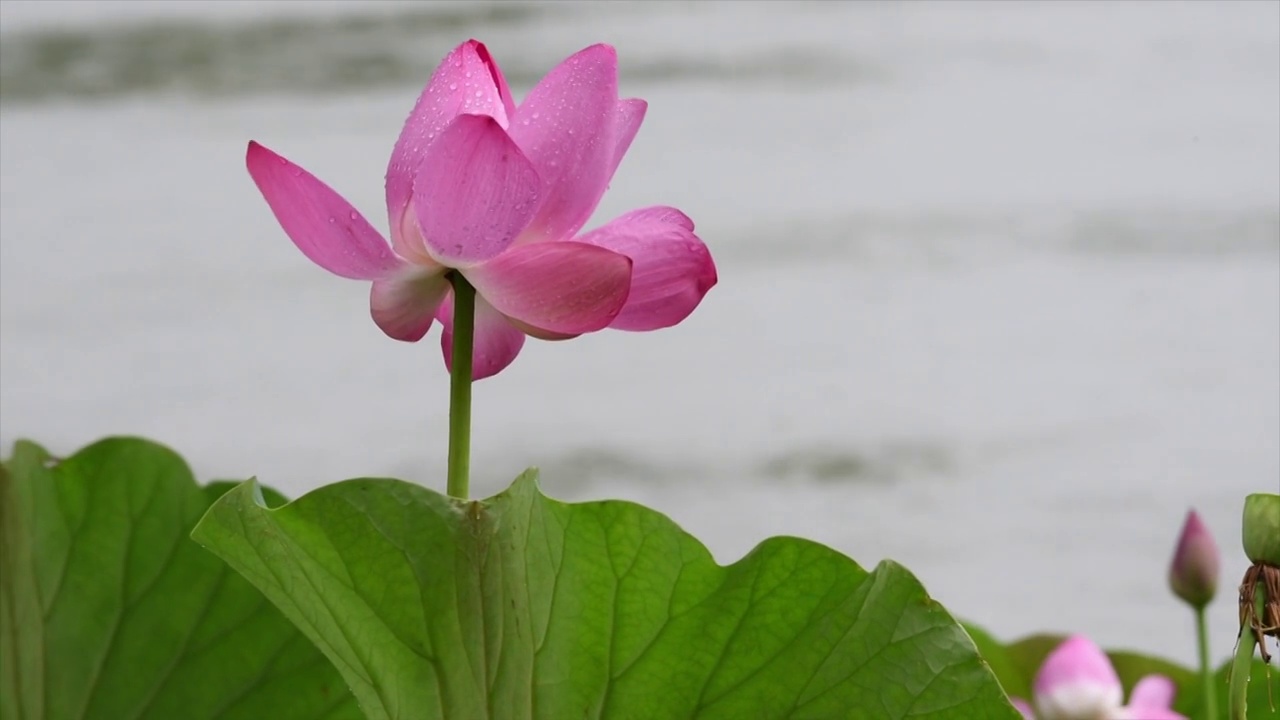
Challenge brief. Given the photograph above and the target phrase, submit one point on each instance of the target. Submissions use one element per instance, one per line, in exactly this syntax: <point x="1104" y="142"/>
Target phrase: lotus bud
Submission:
<point x="1193" y="574"/>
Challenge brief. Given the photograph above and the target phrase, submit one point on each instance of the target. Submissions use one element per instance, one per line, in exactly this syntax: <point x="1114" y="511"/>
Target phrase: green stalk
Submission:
<point x="1241" y="667"/>
<point x="1206" y="672"/>
<point x="464" y="319"/>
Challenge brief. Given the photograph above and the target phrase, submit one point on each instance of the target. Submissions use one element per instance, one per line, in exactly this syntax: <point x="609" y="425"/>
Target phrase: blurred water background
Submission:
<point x="999" y="298"/>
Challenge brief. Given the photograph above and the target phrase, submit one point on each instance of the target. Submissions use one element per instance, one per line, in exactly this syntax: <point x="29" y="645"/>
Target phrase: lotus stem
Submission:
<point x="1206" y="671"/>
<point x="464" y="318"/>
<point x="1259" y="617"/>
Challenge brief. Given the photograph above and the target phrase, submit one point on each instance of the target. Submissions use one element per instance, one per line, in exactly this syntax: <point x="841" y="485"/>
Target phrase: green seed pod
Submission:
<point x="1261" y="528"/>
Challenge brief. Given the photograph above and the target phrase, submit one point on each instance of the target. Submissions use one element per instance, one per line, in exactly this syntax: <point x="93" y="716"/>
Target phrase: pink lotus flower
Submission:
<point x="1193" y="574"/>
<point x="1023" y="707"/>
<point x="1077" y="682"/>
<point x="498" y="192"/>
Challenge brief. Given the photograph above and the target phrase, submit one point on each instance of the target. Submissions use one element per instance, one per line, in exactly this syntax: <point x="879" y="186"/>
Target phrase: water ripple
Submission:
<point x="332" y="55"/>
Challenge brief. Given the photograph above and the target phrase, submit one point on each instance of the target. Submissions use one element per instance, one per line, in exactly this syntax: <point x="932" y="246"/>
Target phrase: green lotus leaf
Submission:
<point x="521" y="607"/>
<point x="109" y="611"/>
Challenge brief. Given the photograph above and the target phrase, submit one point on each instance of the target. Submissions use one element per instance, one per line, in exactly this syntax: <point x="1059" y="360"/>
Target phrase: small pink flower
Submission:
<point x="499" y="193"/>
<point x="1193" y="574"/>
<point x="1077" y="682"/>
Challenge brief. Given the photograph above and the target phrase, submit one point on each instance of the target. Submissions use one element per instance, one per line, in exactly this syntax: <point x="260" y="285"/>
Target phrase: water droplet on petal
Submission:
<point x="453" y="86"/>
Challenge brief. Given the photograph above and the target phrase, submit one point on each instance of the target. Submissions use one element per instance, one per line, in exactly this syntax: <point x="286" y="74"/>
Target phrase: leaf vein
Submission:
<point x="182" y="654"/>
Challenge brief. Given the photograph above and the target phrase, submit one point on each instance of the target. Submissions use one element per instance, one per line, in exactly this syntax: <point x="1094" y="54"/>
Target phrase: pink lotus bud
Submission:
<point x="1193" y="575"/>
